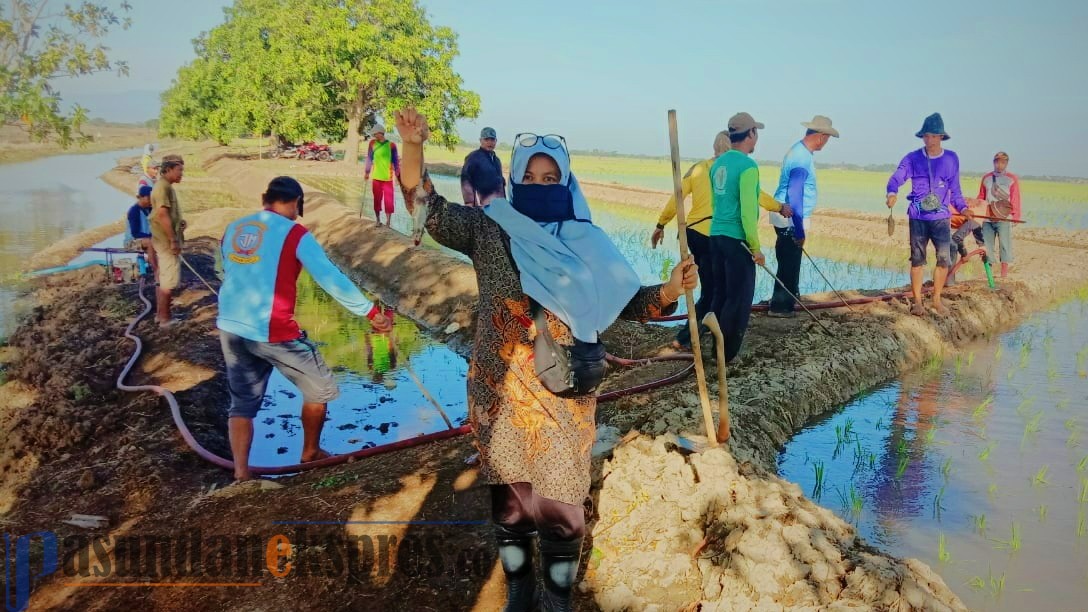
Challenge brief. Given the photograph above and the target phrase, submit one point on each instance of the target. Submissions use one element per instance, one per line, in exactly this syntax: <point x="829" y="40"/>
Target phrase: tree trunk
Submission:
<point x="355" y="119"/>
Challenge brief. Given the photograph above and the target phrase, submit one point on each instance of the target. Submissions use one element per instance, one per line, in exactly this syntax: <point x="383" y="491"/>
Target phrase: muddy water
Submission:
<point x="46" y="200"/>
<point x="987" y="451"/>
<point x="379" y="402"/>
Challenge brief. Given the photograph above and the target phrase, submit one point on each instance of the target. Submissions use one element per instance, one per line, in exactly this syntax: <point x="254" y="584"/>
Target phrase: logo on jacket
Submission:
<point x="247" y="239"/>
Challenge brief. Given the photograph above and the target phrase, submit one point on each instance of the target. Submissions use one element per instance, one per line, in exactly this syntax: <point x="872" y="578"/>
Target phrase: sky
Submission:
<point x="1004" y="75"/>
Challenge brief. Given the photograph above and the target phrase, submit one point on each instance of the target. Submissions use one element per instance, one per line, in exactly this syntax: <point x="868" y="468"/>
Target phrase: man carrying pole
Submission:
<point x="797" y="188"/>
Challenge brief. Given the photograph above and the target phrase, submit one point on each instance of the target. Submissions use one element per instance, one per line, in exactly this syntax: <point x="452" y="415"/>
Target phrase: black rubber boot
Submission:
<point x="559" y="559"/>
<point x="516" y="556"/>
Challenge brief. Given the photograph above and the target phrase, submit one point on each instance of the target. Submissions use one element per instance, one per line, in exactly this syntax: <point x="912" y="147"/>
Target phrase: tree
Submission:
<point x="39" y="46"/>
<point x="328" y="67"/>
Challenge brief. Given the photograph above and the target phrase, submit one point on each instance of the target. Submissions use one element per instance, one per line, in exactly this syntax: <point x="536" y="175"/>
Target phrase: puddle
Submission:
<point x="986" y="452"/>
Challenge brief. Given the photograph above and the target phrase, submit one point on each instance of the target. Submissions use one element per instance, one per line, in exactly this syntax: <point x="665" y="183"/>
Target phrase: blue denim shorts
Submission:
<point x="250" y="363"/>
<point x="937" y="231"/>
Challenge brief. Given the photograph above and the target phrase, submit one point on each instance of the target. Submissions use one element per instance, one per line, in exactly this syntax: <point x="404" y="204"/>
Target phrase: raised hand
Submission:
<point x="412" y="126"/>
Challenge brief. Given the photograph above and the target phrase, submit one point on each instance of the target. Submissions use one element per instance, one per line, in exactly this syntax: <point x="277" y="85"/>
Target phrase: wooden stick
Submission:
<point x="427" y="394"/>
<point x="711" y="321"/>
<point x="689" y="300"/>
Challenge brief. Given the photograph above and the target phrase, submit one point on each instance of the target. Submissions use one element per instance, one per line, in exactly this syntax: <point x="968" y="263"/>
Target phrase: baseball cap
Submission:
<point x="488" y="133"/>
<point x="1001" y="155"/>
<point x="145" y="190"/>
<point x="154" y="163"/>
<point x="742" y="122"/>
<point x="377" y="129"/>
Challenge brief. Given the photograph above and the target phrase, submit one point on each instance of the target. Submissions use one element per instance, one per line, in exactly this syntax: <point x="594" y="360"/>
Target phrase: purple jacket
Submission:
<point x="946" y="173"/>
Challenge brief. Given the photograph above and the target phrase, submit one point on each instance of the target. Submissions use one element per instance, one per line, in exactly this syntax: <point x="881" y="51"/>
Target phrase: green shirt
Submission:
<point x="164" y="196"/>
<point x="734" y="179"/>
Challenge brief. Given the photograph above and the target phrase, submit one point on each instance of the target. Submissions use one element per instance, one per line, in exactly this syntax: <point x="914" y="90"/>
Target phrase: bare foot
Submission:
<point x="940" y="309"/>
<point x="676" y="346"/>
<point x="316" y="455"/>
<point x="917" y="309"/>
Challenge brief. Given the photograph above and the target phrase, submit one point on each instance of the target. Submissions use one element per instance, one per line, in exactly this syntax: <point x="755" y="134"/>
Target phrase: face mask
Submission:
<point x="543" y="203"/>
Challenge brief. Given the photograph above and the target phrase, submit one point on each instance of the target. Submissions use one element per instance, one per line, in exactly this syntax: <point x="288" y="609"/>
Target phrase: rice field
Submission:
<point x="977" y="465"/>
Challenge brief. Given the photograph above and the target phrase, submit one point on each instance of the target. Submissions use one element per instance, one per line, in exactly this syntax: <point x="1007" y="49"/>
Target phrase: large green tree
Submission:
<point x="330" y="67"/>
<point x="41" y="42"/>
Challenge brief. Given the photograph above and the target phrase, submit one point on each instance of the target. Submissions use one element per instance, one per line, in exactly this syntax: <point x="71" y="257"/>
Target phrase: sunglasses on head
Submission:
<point x="551" y="141"/>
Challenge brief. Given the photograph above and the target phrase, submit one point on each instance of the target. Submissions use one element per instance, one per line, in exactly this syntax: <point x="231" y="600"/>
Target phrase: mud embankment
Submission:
<point x="669" y="529"/>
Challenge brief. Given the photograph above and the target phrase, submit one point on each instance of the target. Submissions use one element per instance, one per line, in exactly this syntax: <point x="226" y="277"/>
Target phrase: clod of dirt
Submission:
<point x="87" y="480"/>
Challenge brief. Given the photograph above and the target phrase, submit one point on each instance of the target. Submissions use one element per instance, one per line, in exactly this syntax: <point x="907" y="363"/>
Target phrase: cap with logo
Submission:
<point x="488" y="133"/>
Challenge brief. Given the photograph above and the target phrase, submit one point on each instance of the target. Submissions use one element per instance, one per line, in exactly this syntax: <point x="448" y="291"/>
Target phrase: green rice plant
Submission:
<point x="1000" y="351"/>
<point x="1082" y="523"/>
<point x="1074" y="439"/>
<point x="857" y="502"/>
<point x="1013" y="543"/>
<point x="938" y="505"/>
<point x="901" y="469"/>
<point x="977" y="583"/>
<point x="1083" y="464"/>
<point x="1010" y="374"/>
<point x="990" y="490"/>
<point x="946" y="468"/>
<point x="872" y="461"/>
<point x="1063" y="404"/>
<point x="1043" y="510"/>
<point x="959" y="365"/>
<point x="818" y="487"/>
<point x="1083" y="497"/>
<point x="1025" y="354"/>
<point x="928" y="440"/>
<point x="1039" y="479"/>
<point x="984" y="454"/>
<point x="970" y="358"/>
<point x="980" y="523"/>
<point x="1070" y="423"/>
<point x="1022" y="407"/>
<point x="997" y="585"/>
<point x="942" y="549"/>
<point x="980" y="410"/>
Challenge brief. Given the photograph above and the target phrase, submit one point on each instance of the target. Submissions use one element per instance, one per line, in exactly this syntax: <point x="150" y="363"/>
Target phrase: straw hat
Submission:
<point x="822" y="125"/>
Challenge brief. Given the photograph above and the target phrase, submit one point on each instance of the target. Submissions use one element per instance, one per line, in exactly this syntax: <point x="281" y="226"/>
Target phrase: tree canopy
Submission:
<point x="322" y="67"/>
<point x="40" y="43"/>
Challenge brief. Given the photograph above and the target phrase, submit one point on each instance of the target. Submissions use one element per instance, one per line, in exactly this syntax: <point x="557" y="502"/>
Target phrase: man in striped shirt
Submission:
<point x="262" y="256"/>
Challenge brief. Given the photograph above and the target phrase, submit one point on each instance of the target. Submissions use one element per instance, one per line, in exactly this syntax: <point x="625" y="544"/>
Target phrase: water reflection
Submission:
<point x="379" y="402"/>
<point x="967" y="449"/>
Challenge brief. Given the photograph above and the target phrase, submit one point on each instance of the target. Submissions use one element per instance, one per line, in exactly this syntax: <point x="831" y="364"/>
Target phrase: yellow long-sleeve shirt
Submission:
<point x="697" y="184"/>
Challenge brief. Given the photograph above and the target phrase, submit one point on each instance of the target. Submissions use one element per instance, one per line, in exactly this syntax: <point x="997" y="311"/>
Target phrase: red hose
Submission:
<point x="203" y="453"/>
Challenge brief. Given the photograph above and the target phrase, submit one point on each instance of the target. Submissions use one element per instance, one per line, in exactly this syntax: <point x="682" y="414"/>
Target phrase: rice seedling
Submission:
<point x="984" y="454"/>
<point x="928" y="440"/>
<point x="946" y="468"/>
<point x="990" y="490"/>
<point x="980" y="523"/>
<point x="970" y="358"/>
<point x="901" y="468"/>
<point x="857" y="502"/>
<point x="1010" y="374"/>
<point x="818" y="486"/>
<point x="942" y="549"/>
<point x="977" y="583"/>
<point x="1042" y="510"/>
<point x="997" y="585"/>
<point x="1074" y="439"/>
<point x="1013" y="544"/>
<point x="980" y="410"/>
<point x="1025" y="355"/>
<point x="1023" y="406"/>
<point x="938" y="506"/>
<point x="1000" y="351"/>
<point x="1063" y="404"/>
<point x="1083" y="497"/>
<point x="1083" y="464"/>
<point x="1039" y="479"/>
<point x="872" y="460"/>
<point x="1082" y="523"/>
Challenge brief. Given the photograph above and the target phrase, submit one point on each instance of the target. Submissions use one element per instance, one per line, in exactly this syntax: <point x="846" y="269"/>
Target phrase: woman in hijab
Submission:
<point x="538" y="247"/>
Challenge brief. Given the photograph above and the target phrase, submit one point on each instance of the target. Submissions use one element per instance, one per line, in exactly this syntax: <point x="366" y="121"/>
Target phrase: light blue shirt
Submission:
<point x="796" y="187"/>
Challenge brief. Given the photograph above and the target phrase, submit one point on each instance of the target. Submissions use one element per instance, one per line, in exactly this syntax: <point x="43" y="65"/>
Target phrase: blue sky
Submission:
<point x="1005" y="75"/>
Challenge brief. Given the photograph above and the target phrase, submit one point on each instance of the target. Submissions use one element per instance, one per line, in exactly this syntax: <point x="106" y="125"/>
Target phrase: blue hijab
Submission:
<point x="569" y="267"/>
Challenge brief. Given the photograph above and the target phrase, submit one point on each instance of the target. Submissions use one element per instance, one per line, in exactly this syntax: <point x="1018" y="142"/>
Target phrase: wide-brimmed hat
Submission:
<point x="822" y="125"/>
<point x="742" y="122"/>
<point x="933" y="125"/>
<point x="377" y="129"/>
